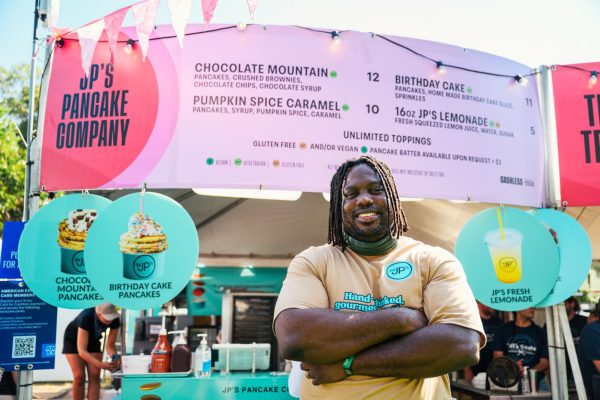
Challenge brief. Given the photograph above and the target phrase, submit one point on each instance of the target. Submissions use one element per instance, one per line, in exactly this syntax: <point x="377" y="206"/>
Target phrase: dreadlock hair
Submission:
<point x="398" y="222"/>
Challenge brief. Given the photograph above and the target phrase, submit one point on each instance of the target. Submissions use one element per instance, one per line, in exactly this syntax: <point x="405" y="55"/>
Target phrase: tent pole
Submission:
<point x="25" y="378"/>
<point x="561" y="371"/>
<point x="566" y="329"/>
<point x="553" y="199"/>
<point x="552" y="354"/>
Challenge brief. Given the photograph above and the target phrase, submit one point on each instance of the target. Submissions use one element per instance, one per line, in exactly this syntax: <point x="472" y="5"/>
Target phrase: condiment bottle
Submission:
<point x="161" y="353"/>
<point x="181" y="358"/>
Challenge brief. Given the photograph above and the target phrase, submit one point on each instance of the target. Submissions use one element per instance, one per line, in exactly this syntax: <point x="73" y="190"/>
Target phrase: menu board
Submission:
<point x="282" y="107"/>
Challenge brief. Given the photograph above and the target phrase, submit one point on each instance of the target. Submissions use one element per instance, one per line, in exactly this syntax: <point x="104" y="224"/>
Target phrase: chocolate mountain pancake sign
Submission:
<point x="51" y="251"/>
<point x="141" y="251"/>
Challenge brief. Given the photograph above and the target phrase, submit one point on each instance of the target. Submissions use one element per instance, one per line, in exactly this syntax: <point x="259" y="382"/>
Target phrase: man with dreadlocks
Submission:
<point x="375" y="314"/>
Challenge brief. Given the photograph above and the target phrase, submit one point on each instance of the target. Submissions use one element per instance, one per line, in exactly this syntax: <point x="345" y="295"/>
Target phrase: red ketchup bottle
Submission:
<point x="161" y="354"/>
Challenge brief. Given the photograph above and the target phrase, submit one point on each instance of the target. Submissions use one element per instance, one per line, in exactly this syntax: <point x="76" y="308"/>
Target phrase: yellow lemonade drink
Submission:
<point x="506" y="254"/>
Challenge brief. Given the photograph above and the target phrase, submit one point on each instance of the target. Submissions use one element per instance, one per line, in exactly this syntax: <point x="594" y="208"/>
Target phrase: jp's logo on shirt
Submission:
<point x="399" y="270"/>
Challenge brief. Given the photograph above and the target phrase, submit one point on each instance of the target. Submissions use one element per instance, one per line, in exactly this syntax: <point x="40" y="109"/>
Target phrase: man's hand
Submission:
<point x="321" y="374"/>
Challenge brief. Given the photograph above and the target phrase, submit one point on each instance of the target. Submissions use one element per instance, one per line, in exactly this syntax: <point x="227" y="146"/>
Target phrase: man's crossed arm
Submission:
<point x="391" y="342"/>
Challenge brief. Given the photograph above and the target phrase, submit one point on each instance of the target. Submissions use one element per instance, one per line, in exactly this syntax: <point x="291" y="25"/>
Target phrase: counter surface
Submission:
<point x="467" y="392"/>
<point x="234" y="386"/>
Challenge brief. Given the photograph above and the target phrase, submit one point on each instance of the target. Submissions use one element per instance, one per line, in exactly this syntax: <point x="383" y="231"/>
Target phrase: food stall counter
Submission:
<point x="234" y="386"/>
<point x="462" y="391"/>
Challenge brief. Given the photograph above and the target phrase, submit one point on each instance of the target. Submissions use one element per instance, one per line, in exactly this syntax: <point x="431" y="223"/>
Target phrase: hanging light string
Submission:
<point x="133" y="41"/>
<point x="440" y="63"/>
<point x="441" y="66"/>
<point x="336" y="36"/>
<point x="593" y="73"/>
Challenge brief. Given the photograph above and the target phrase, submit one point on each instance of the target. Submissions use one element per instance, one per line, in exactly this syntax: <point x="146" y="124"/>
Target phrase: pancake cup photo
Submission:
<point x="143" y="246"/>
<point x="72" y="233"/>
<point x="505" y="250"/>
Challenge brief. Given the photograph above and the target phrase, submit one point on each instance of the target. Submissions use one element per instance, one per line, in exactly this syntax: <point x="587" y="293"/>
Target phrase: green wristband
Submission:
<point x="347" y="364"/>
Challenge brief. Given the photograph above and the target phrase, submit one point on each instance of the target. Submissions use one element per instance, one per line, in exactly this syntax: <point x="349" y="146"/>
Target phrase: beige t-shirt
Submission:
<point x="413" y="275"/>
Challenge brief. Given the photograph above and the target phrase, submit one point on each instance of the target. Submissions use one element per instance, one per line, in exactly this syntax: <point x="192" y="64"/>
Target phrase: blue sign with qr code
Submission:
<point x="9" y="262"/>
<point x="27" y="329"/>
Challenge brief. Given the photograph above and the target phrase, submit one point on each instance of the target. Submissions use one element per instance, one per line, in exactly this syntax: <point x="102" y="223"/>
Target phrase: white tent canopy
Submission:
<point x="237" y="231"/>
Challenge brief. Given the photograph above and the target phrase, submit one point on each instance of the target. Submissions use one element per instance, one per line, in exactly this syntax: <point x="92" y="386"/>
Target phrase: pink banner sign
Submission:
<point x="282" y="107"/>
<point x="577" y="107"/>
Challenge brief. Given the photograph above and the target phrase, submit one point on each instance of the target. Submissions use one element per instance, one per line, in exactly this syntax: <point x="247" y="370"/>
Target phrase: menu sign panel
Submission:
<point x="280" y="108"/>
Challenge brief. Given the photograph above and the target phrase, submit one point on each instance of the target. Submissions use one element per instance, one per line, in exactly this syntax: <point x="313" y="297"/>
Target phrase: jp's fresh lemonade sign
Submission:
<point x="510" y="258"/>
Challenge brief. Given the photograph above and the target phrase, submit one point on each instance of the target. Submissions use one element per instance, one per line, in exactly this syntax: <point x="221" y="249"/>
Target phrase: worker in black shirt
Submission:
<point x="524" y="342"/>
<point x="82" y="347"/>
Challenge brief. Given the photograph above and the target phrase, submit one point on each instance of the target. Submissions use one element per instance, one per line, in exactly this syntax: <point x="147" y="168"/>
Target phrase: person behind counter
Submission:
<point x="81" y="347"/>
<point x="491" y="323"/>
<point x="524" y="342"/>
<point x="373" y="313"/>
<point x="576" y="324"/>
<point x="589" y="357"/>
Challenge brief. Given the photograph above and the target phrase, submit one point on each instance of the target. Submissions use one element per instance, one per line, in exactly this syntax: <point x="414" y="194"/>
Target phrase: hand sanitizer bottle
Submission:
<point x="202" y="367"/>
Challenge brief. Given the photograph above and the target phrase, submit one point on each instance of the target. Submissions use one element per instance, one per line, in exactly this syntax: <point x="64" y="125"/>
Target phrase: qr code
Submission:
<point x="23" y="347"/>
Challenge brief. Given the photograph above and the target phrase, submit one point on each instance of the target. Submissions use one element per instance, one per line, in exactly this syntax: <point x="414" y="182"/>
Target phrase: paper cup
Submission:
<point x="71" y="261"/>
<point x="143" y="266"/>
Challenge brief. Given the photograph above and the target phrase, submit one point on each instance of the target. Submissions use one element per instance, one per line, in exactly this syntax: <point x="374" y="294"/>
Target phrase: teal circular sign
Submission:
<point x="51" y="251"/>
<point x="509" y="257"/>
<point x="574" y="251"/>
<point x="399" y="270"/>
<point x="141" y="251"/>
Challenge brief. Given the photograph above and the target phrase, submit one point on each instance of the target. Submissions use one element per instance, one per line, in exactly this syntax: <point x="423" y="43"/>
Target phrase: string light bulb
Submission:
<point x="593" y="78"/>
<point x="521" y="80"/>
<point x="241" y="26"/>
<point x="441" y="68"/>
<point x="337" y="39"/>
<point x="128" y="49"/>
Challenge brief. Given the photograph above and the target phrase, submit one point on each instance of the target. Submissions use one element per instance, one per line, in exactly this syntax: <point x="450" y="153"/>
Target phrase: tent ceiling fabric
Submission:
<point x="282" y="229"/>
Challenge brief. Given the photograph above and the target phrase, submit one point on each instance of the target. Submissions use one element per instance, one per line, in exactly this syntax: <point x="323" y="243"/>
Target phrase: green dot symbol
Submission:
<point x="364" y="149"/>
<point x="491" y="123"/>
<point x="333" y="74"/>
<point x="238" y="161"/>
<point x="345" y="107"/>
<point x="469" y="90"/>
<point x="210" y="161"/>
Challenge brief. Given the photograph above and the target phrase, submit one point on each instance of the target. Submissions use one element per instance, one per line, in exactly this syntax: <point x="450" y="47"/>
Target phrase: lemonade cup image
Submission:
<point x="505" y="253"/>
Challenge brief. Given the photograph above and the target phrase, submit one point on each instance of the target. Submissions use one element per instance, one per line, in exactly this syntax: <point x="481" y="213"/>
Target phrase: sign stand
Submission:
<point x="24" y="384"/>
<point x="559" y="334"/>
<point x="552" y="354"/>
<point x="566" y="329"/>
